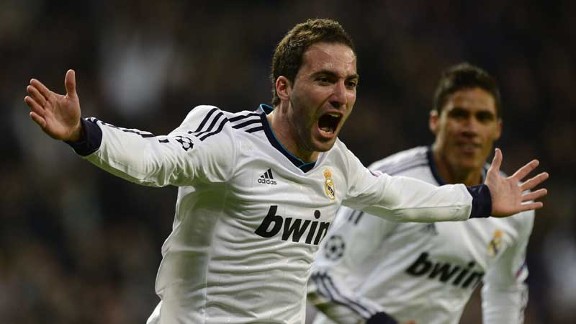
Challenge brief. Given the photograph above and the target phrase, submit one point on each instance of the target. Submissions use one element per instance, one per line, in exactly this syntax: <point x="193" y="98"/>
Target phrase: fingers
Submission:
<point x="35" y="109"/>
<point x="36" y="95"/>
<point x="38" y="119"/>
<point x="534" y="195"/>
<point x="41" y="88"/>
<point x="36" y="105"/>
<point x="525" y="170"/>
<point x="535" y="181"/>
<point x="37" y="99"/>
<point x="530" y="206"/>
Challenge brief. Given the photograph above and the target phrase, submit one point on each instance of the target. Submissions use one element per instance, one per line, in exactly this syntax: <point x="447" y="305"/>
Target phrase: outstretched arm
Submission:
<point x="510" y="195"/>
<point x="58" y="115"/>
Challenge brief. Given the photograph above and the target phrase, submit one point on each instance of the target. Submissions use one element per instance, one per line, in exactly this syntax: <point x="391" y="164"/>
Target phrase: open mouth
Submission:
<point x="329" y="122"/>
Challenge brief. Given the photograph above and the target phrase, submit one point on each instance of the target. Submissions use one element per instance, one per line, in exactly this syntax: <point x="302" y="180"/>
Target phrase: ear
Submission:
<point x="433" y="121"/>
<point x="283" y="87"/>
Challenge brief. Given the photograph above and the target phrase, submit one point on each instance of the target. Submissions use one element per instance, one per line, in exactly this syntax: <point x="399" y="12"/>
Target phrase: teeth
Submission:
<point x="327" y="129"/>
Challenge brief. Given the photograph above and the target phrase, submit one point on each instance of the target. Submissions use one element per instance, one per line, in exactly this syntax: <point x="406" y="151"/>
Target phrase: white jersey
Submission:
<point x="250" y="216"/>
<point x="421" y="272"/>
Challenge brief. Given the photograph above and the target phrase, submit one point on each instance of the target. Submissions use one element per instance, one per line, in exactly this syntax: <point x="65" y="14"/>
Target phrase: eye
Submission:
<point x="324" y="79"/>
<point x="458" y="114"/>
<point x="485" y="117"/>
<point x="352" y="84"/>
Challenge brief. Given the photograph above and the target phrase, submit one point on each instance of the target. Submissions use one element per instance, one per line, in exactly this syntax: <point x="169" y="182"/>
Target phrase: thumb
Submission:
<point x="497" y="160"/>
<point x="70" y="84"/>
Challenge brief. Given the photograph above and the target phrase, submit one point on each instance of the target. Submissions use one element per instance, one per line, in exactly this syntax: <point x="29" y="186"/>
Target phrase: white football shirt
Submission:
<point x="421" y="272"/>
<point x="250" y="216"/>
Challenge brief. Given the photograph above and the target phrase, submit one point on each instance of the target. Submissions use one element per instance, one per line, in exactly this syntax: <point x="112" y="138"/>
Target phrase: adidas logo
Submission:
<point x="267" y="178"/>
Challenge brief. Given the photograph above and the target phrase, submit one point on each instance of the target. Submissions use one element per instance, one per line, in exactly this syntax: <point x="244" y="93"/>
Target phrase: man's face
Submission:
<point x="466" y="129"/>
<point x="321" y="97"/>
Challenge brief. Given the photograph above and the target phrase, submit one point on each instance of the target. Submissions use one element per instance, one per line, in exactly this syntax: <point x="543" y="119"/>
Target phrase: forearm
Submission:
<point x="410" y="200"/>
<point x="132" y="155"/>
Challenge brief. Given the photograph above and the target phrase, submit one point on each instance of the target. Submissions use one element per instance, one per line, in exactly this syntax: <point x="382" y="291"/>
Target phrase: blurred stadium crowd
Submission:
<point x="80" y="246"/>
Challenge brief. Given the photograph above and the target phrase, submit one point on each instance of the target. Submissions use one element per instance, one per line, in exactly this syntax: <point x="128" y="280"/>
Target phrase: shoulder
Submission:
<point x="207" y="119"/>
<point x="403" y="161"/>
<point x="208" y="113"/>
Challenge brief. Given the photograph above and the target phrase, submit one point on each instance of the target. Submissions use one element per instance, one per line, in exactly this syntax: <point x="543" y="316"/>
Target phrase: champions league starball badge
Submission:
<point x="334" y="248"/>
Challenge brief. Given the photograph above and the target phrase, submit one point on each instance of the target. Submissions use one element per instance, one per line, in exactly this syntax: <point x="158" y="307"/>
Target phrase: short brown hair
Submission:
<point x="465" y="76"/>
<point x="288" y="55"/>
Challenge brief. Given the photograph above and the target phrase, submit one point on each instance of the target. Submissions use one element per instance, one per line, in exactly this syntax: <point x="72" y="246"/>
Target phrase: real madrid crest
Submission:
<point x="329" y="184"/>
<point x="496" y="243"/>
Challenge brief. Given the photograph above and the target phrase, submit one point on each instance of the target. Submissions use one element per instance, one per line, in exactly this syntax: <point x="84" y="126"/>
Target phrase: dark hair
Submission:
<point x="288" y="54"/>
<point x="465" y="76"/>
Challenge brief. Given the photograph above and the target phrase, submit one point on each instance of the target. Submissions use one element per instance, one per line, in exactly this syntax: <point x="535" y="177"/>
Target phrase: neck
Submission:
<point x="287" y="135"/>
<point x="452" y="175"/>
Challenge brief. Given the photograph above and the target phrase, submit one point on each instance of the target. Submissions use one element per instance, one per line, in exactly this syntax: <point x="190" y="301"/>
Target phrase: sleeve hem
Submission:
<point x="481" y="201"/>
<point x="90" y="140"/>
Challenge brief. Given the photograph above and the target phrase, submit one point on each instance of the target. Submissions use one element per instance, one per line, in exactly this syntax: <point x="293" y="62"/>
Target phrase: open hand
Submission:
<point x="512" y="195"/>
<point x="57" y="115"/>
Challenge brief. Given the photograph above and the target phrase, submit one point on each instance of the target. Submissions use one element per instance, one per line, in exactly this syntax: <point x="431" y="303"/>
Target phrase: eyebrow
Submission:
<point x="482" y="110"/>
<point x="332" y="73"/>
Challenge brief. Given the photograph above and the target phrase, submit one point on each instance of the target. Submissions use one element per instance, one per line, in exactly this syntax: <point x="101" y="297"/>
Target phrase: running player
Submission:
<point x="427" y="272"/>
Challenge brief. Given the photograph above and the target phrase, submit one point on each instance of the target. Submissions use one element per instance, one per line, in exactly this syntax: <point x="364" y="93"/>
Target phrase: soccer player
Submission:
<point x="427" y="272"/>
<point x="258" y="189"/>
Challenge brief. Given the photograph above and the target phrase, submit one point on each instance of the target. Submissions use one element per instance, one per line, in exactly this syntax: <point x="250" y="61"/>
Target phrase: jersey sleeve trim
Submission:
<point x="481" y="201"/>
<point x="327" y="288"/>
<point x="90" y="140"/>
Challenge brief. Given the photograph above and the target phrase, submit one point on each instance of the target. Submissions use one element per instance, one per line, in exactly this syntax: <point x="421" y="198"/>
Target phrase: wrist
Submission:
<point x="381" y="318"/>
<point x="77" y="133"/>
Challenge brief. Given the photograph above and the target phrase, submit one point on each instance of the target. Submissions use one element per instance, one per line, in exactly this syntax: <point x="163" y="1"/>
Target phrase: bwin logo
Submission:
<point x="267" y="178"/>
<point x="444" y="272"/>
<point x="293" y="228"/>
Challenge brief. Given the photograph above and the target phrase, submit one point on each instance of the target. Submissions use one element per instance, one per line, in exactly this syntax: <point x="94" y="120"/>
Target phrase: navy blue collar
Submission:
<point x="304" y="166"/>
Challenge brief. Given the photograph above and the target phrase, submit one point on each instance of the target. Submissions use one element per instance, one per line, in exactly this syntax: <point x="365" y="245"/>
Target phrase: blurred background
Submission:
<point x="80" y="246"/>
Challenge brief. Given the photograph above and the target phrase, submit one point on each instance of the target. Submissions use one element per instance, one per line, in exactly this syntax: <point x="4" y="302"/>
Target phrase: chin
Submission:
<point x="470" y="165"/>
<point x="324" y="146"/>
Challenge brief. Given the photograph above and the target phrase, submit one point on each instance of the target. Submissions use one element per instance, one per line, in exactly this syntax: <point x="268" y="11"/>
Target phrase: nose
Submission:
<point x="470" y="126"/>
<point x="339" y="97"/>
